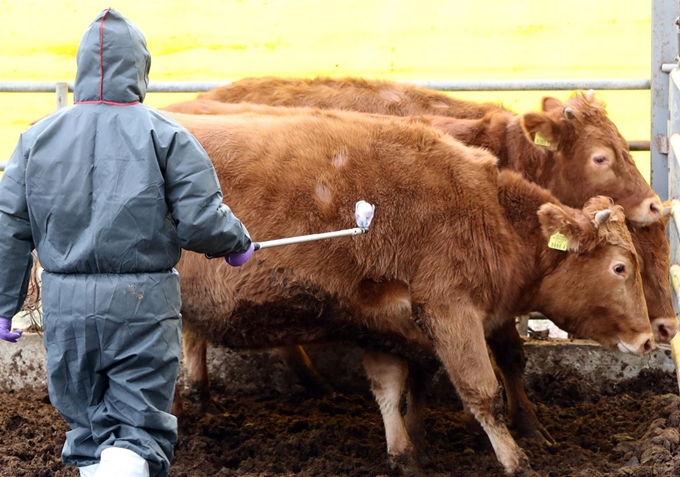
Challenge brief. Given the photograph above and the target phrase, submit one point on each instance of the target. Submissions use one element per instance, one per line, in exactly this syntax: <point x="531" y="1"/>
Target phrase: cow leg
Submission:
<point x="298" y="361"/>
<point x="387" y="374"/>
<point x="508" y="352"/>
<point x="177" y="408"/>
<point x="458" y="336"/>
<point x="419" y="377"/>
<point x="196" y="365"/>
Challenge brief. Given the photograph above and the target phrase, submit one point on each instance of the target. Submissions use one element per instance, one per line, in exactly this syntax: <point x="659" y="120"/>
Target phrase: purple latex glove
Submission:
<point x="6" y="332"/>
<point x="238" y="259"/>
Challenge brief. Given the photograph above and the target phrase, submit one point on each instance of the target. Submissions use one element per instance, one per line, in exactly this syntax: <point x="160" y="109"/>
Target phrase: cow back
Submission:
<point x="356" y="94"/>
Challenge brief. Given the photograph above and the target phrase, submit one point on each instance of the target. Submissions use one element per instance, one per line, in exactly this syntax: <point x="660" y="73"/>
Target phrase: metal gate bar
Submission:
<point x="63" y="88"/>
<point x="462" y="85"/>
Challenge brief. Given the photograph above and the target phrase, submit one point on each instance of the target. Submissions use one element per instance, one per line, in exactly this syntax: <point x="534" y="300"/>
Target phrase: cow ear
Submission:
<point x="540" y="129"/>
<point x="561" y="227"/>
<point x="551" y="104"/>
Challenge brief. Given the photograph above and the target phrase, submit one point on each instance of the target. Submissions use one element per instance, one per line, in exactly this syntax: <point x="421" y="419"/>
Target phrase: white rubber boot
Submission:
<point x="119" y="462"/>
<point x="88" y="471"/>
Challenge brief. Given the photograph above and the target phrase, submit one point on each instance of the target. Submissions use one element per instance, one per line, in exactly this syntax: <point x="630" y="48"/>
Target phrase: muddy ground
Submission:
<point x="629" y="429"/>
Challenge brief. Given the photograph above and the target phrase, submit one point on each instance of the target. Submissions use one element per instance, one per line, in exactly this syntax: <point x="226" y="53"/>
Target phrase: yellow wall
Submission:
<point x="215" y="40"/>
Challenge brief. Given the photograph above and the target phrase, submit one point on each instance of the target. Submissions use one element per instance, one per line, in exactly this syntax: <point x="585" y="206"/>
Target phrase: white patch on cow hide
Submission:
<point x="323" y="192"/>
<point x="340" y="160"/>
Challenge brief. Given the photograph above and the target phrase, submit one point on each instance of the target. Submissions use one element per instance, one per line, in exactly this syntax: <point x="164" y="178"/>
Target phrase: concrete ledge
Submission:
<point x="340" y="363"/>
<point x="23" y="363"/>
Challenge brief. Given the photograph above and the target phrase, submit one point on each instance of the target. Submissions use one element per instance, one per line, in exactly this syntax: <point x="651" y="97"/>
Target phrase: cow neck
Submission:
<point x="536" y="163"/>
<point x="521" y="200"/>
<point x="489" y="132"/>
<point x="497" y="125"/>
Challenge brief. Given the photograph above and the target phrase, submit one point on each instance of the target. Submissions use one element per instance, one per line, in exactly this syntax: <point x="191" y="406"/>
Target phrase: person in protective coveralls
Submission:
<point x="108" y="191"/>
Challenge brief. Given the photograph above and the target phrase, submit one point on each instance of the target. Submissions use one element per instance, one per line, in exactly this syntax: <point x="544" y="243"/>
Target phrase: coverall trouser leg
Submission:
<point x="126" y="371"/>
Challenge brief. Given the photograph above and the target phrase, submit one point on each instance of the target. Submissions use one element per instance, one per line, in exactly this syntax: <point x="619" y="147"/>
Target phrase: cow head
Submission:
<point x="594" y="289"/>
<point x="654" y="255"/>
<point x="590" y="156"/>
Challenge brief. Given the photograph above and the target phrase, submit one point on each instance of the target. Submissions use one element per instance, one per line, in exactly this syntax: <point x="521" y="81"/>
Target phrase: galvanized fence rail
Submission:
<point x="63" y="88"/>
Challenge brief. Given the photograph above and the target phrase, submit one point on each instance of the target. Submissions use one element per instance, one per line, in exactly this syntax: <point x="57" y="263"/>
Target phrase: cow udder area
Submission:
<point x="630" y="429"/>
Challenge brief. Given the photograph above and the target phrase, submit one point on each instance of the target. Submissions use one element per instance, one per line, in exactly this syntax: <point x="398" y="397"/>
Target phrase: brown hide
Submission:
<point x="353" y="94"/>
<point x="288" y="176"/>
<point x="495" y="132"/>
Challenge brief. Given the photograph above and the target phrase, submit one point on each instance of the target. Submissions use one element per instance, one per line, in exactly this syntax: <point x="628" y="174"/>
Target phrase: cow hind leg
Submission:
<point x="196" y="366"/>
<point x="387" y="374"/>
<point x="508" y="353"/>
<point x="299" y="363"/>
<point x="458" y="336"/>
<point x="419" y="377"/>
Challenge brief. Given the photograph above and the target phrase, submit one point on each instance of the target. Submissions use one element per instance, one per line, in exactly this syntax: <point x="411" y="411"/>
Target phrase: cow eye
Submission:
<point x="600" y="159"/>
<point x="620" y="269"/>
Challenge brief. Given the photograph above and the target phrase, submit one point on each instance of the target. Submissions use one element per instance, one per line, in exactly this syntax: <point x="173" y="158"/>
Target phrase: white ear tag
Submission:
<point x="540" y="140"/>
<point x="558" y="242"/>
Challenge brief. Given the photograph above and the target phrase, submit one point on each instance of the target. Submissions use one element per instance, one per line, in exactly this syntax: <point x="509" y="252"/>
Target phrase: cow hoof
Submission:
<point x="526" y="472"/>
<point x="212" y="407"/>
<point x="527" y="425"/>
<point x="423" y="458"/>
<point x="523" y="468"/>
<point x="406" y="464"/>
<point x="202" y="402"/>
<point x="315" y="385"/>
<point x="417" y="436"/>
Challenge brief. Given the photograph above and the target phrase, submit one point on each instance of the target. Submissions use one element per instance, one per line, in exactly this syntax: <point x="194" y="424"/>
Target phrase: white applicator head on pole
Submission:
<point x="364" y="214"/>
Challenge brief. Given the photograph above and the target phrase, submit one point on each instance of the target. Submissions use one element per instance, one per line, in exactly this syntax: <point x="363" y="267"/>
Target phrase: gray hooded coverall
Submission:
<point x="108" y="191"/>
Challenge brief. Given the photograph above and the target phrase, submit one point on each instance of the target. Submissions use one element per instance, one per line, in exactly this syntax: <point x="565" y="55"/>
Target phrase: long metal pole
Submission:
<point x="309" y="238"/>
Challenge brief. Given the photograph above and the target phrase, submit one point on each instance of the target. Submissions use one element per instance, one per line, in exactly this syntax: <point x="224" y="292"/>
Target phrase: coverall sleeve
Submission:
<point x="204" y="223"/>
<point x="16" y="239"/>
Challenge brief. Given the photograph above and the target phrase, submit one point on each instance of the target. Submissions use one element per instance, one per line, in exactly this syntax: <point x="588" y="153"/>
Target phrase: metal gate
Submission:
<point x="665" y="138"/>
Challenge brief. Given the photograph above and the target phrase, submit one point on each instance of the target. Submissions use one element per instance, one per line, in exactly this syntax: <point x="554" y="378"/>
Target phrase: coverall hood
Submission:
<point x="113" y="61"/>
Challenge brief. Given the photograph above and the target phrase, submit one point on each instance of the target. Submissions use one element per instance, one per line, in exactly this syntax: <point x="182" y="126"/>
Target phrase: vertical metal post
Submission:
<point x="62" y="95"/>
<point x="673" y="157"/>
<point x="664" y="50"/>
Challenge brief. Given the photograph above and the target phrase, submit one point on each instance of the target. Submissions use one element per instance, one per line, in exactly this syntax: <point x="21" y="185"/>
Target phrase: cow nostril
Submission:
<point x="649" y="346"/>
<point x="654" y="208"/>
<point x="664" y="334"/>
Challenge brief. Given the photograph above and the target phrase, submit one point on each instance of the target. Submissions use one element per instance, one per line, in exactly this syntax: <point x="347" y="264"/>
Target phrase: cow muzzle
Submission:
<point x="664" y="328"/>
<point x="642" y="345"/>
<point x="646" y="212"/>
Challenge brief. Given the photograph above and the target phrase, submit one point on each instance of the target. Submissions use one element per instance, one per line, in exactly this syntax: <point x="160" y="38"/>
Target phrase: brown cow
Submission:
<point x="352" y="94"/>
<point x="582" y="153"/>
<point x="456" y="250"/>
<point x="503" y="133"/>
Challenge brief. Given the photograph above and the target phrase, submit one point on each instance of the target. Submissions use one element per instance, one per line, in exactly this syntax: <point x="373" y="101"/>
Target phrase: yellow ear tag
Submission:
<point x="558" y="242"/>
<point x="540" y="140"/>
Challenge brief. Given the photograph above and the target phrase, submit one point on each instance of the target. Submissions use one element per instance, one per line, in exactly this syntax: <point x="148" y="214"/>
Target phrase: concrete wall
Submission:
<point x="256" y="372"/>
